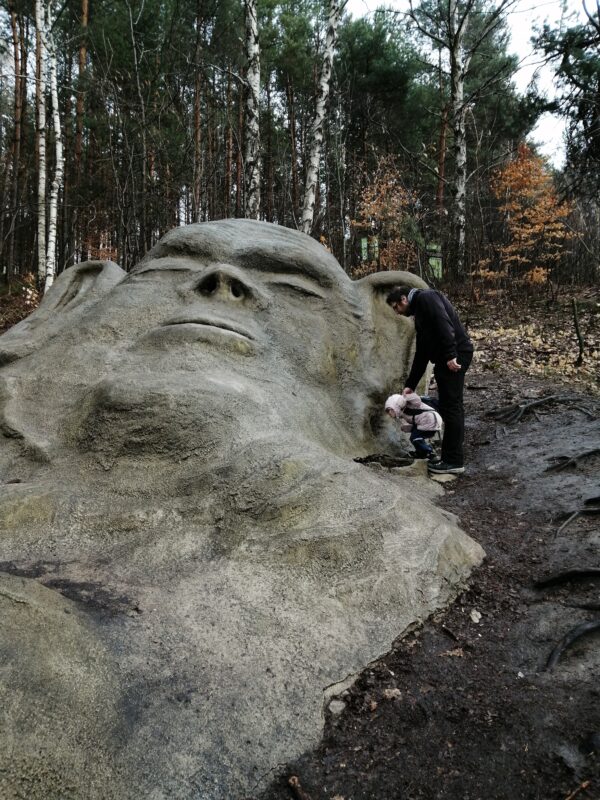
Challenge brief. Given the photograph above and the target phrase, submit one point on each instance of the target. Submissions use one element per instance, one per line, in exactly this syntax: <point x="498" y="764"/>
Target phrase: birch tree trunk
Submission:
<point x="239" y="165"/>
<point x="40" y="95"/>
<point x="459" y="67"/>
<point x="16" y="148"/>
<point x="58" y="159"/>
<point x="316" y="140"/>
<point x="269" y="177"/>
<point x="252" y="127"/>
<point x="228" y="151"/>
<point x="197" y="170"/>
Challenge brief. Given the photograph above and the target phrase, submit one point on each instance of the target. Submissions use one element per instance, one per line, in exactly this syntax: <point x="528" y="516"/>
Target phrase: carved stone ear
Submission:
<point x="84" y="282"/>
<point x="73" y="292"/>
<point x="380" y="283"/>
<point x="389" y="338"/>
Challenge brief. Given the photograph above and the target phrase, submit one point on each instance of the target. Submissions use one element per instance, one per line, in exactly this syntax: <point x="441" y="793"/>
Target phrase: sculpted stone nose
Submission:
<point x="224" y="285"/>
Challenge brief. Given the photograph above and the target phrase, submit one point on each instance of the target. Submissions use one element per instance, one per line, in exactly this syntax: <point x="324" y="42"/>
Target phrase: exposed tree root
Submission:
<point x="569" y="639"/>
<point x="581" y="788"/>
<point x="562" y="462"/>
<point x="568" y="575"/>
<point x="573" y="515"/>
<point x="386" y="460"/>
<point x="513" y="413"/>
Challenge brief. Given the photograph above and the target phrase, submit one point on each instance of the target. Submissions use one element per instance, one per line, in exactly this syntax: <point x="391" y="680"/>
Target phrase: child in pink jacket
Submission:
<point x="421" y="420"/>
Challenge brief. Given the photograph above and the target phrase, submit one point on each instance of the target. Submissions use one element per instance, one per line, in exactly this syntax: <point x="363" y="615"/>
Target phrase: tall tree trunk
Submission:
<point x="80" y="92"/>
<point x="16" y="146"/>
<point x="239" y="163"/>
<point x="439" y="196"/>
<point x="293" y="145"/>
<point x="65" y="257"/>
<point x="228" y="153"/>
<point x="58" y="159"/>
<point x="441" y="181"/>
<point x="316" y="143"/>
<point x="23" y="246"/>
<point x="252" y="126"/>
<point x="40" y="95"/>
<point x="197" y="194"/>
<point x="269" y="156"/>
<point x="216" y="142"/>
<point x="197" y="170"/>
<point x="459" y="65"/>
<point x="143" y="236"/>
<point x="5" y="199"/>
<point x="79" y="112"/>
<point x="210" y="159"/>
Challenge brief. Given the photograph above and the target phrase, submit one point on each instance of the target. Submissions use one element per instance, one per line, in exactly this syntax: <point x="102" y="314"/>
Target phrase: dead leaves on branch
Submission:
<point x="535" y="220"/>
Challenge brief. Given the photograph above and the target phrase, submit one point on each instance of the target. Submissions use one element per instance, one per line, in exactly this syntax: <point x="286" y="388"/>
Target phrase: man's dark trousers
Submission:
<point x="450" y="394"/>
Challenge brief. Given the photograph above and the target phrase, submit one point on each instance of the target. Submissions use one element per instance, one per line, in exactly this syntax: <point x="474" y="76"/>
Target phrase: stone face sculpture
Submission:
<point x="190" y="560"/>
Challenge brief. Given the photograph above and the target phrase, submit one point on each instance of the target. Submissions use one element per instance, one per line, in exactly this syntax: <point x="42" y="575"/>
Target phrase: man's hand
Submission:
<point x="407" y="391"/>
<point x="453" y="365"/>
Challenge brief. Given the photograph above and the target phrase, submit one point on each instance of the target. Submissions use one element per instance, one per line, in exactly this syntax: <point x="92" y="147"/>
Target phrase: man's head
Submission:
<point x="398" y="300"/>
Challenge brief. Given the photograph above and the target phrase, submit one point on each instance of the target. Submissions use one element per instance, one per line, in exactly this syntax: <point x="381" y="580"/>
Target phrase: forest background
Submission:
<point x="398" y="140"/>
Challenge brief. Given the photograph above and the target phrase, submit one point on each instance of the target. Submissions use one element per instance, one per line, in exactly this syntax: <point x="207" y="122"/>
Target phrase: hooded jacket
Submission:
<point x="440" y="334"/>
<point x="411" y="410"/>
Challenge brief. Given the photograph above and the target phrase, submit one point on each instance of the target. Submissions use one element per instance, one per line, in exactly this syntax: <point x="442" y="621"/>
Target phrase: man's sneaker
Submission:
<point x="442" y="468"/>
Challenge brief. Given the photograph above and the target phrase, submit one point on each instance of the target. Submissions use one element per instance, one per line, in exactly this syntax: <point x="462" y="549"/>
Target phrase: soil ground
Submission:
<point x="463" y="707"/>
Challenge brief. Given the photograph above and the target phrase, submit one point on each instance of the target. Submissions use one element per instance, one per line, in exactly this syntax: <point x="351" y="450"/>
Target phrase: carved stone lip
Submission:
<point x="211" y="322"/>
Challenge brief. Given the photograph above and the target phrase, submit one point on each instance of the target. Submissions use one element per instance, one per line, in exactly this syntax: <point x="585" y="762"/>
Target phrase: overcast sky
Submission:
<point x="524" y="17"/>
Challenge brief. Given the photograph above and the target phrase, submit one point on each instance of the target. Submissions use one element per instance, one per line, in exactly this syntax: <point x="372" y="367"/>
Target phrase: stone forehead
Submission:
<point x="252" y="244"/>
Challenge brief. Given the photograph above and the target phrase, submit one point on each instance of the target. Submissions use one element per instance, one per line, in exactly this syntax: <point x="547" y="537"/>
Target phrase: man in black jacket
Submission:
<point x="442" y="340"/>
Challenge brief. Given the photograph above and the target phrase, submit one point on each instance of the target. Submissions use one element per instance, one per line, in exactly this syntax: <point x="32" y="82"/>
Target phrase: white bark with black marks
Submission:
<point x="316" y="140"/>
<point x="459" y="67"/>
<point x="40" y="21"/>
<point x="252" y="125"/>
<point x="57" y="179"/>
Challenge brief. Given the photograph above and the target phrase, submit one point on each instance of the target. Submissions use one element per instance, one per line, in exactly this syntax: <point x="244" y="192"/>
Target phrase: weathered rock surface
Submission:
<point x="190" y="558"/>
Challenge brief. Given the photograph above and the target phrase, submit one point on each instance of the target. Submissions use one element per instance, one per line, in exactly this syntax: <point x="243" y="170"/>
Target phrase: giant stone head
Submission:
<point x="191" y="561"/>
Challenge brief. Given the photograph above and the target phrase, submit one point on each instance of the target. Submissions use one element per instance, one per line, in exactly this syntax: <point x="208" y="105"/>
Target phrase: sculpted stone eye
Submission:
<point x="299" y="289"/>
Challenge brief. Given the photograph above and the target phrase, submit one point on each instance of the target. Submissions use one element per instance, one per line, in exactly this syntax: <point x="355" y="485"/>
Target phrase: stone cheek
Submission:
<point x="194" y="549"/>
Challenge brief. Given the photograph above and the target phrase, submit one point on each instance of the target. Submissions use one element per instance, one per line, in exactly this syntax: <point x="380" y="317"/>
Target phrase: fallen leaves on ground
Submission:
<point x="541" y="343"/>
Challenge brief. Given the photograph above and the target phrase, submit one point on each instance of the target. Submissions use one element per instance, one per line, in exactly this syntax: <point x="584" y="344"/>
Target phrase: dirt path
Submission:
<point x="463" y="707"/>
